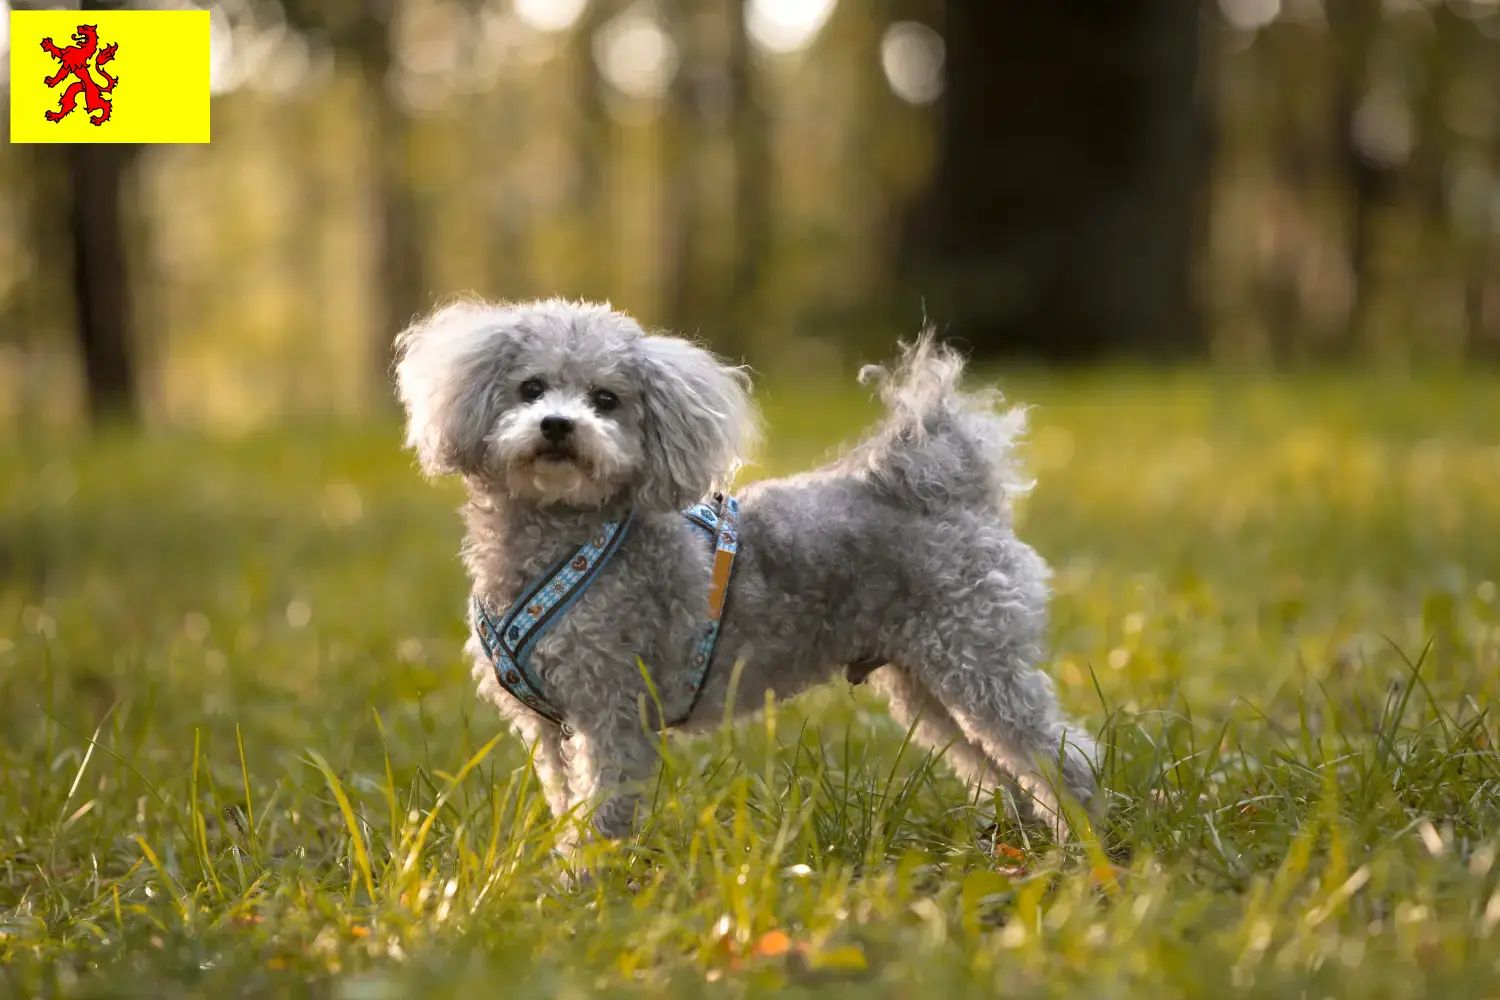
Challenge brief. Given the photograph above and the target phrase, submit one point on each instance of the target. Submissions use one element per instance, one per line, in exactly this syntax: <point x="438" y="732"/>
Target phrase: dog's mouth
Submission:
<point x="555" y="454"/>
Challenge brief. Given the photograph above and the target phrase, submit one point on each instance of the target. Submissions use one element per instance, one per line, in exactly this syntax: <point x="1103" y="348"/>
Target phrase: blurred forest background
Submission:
<point x="1248" y="182"/>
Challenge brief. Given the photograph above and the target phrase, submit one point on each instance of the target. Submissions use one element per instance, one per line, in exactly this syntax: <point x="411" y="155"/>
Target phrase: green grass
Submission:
<point x="240" y="755"/>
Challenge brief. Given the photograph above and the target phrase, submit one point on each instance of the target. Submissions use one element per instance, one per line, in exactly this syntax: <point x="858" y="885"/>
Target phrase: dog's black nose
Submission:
<point x="555" y="428"/>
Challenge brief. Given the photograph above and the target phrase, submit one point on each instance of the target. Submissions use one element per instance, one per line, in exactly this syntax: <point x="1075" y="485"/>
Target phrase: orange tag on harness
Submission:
<point x="719" y="586"/>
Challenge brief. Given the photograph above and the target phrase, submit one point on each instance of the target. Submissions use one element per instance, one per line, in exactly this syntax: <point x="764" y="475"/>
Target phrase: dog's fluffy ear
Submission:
<point x="447" y="371"/>
<point x="697" y="422"/>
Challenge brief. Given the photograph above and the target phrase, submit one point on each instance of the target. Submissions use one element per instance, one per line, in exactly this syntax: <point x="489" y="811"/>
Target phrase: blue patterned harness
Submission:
<point x="510" y="640"/>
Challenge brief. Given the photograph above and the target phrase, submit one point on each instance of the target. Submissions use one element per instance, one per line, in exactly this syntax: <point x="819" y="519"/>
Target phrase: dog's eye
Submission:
<point x="532" y="389"/>
<point x="604" y="400"/>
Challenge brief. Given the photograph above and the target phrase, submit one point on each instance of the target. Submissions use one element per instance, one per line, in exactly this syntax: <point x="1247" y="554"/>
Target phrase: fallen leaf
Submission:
<point x="772" y="944"/>
<point x="1106" y="876"/>
<point x="1017" y="858"/>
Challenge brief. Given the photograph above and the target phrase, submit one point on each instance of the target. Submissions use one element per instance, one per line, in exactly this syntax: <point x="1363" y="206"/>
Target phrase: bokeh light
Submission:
<point x="1250" y="15"/>
<point x="636" y="56"/>
<point x="550" y="15"/>
<point x="911" y="54"/>
<point x="786" y="26"/>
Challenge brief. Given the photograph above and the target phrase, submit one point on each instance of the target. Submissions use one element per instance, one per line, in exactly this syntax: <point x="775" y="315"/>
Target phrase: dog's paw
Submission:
<point x="575" y="878"/>
<point x="573" y="873"/>
<point x="1081" y="761"/>
<point x="1079" y="805"/>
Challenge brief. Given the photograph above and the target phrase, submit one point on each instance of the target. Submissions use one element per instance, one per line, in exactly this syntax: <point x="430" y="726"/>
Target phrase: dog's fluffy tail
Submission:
<point x="940" y="446"/>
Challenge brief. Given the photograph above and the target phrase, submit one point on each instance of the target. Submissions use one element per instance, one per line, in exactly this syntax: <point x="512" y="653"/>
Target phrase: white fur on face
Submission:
<point x="681" y="425"/>
<point x="586" y="469"/>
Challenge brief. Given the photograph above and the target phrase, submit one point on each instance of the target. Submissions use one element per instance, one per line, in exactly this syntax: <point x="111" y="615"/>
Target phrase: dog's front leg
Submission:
<point x="544" y="740"/>
<point x="611" y="756"/>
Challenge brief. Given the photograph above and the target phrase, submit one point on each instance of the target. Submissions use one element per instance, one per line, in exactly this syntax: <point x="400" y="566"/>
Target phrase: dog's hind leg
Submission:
<point x="977" y="656"/>
<point x="933" y="728"/>
<point x="1014" y="717"/>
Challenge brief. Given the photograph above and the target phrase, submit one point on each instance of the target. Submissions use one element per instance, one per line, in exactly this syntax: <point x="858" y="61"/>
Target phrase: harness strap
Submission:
<point x="724" y="526"/>
<point x="509" y="641"/>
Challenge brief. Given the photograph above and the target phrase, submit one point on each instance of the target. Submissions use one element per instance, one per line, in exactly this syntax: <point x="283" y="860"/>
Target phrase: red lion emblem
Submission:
<point x="75" y="62"/>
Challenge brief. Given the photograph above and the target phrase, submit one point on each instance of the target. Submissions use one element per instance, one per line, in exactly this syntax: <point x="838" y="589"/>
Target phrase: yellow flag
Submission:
<point x="109" y="76"/>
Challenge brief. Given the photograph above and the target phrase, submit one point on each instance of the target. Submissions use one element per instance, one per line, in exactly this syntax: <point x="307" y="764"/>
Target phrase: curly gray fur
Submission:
<point x="901" y="553"/>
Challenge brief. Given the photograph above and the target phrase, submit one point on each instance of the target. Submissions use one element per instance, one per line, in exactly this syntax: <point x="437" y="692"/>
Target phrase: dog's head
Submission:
<point x="556" y="402"/>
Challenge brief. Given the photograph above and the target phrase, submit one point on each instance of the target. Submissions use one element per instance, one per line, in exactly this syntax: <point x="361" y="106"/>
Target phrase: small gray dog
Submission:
<point x="897" y="562"/>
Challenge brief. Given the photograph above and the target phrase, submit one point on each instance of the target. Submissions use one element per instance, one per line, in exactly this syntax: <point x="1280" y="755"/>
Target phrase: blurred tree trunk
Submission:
<point x="590" y="139"/>
<point x="713" y="288"/>
<point x="400" y="272"/>
<point x="96" y="176"/>
<point x="752" y="172"/>
<point x="1353" y="25"/>
<point x="685" y="133"/>
<point x="1482" y="286"/>
<point x="1062" y="220"/>
<point x="1476" y="54"/>
<point x="361" y="29"/>
<point x="1207" y="135"/>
